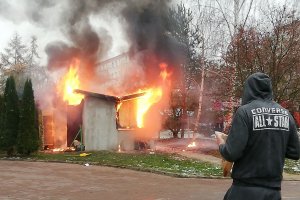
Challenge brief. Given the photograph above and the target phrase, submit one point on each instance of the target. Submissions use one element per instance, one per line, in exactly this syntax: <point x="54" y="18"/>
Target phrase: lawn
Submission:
<point x="292" y="166"/>
<point x="170" y="164"/>
<point x="163" y="163"/>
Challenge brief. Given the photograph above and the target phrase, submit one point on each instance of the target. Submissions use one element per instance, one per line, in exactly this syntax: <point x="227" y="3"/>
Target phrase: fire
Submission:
<point x="152" y="96"/>
<point x="164" y="74"/>
<point x="146" y="98"/>
<point x="58" y="150"/>
<point x="193" y="144"/>
<point x="119" y="106"/>
<point x="69" y="83"/>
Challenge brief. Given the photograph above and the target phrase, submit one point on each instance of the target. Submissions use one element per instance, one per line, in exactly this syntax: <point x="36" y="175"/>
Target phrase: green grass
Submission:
<point x="292" y="166"/>
<point x="163" y="163"/>
<point x="170" y="164"/>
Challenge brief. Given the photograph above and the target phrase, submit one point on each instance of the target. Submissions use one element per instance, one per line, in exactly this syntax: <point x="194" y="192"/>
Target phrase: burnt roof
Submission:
<point x="97" y="95"/>
<point x="131" y="96"/>
<point x="108" y="97"/>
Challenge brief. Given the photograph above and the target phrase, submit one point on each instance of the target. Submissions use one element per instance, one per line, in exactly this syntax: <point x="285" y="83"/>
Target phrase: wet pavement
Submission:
<point x="62" y="181"/>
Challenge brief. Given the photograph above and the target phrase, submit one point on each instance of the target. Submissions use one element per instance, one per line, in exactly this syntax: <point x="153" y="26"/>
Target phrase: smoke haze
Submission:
<point x="143" y="24"/>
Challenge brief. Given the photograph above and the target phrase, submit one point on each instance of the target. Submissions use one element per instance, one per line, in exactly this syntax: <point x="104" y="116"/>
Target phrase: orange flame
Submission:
<point x="69" y="83"/>
<point x="119" y="106"/>
<point x="193" y="144"/>
<point x="164" y="74"/>
<point x="152" y="96"/>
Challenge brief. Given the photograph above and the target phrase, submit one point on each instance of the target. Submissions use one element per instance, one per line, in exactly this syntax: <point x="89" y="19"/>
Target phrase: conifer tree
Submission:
<point x="28" y="140"/>
<point x="10" y="117"/>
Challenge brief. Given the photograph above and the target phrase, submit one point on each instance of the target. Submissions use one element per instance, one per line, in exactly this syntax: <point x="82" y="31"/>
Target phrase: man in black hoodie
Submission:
<point x="262" y="135"/>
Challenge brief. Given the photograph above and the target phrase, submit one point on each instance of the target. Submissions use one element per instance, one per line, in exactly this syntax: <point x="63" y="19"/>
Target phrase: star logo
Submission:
<point x="269" y="121"/>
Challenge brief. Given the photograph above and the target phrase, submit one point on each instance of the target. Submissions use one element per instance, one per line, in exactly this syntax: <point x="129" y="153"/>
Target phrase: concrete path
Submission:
<point x="61" y="181"/>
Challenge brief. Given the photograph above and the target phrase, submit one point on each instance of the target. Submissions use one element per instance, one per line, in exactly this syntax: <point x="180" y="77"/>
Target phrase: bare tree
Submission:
<point x="212" y="34"/>
<point x="14" y="53"/>
<point x="273" y="49"/>
<point x="33" y="55"/>
<point x="21" y="61"/>
<point x="34" y="70"/>
<point x="14" y="62"/>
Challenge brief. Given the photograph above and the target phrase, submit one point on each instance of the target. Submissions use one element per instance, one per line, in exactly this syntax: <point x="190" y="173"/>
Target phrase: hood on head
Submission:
<point x="257" y="86"/>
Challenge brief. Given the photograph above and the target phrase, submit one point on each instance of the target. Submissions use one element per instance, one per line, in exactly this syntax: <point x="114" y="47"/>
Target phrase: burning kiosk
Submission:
<point x="100" y="122"/>
<point x="108" y="122"/>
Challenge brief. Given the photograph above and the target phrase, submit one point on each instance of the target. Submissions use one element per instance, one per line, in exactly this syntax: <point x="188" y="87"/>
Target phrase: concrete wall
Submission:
<point x="99" y="124"/>
<point x="126" y="140"/>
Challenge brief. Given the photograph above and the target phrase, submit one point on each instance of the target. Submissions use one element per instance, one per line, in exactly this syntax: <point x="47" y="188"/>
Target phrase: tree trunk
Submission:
<point x="200" y="104"/>
<point x="175" y="134"/>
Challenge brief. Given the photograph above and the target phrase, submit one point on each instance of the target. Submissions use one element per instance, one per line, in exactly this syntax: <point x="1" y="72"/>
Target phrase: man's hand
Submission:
<point x="220" y="137"/>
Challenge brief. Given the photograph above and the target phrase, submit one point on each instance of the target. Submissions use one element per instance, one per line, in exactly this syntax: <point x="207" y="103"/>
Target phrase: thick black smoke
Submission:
<point x="148" y="29"/>
<point x="60" y="54"/>
<point x="86" y="44"/>
<point x="38" y="15"/>
<point x="145" y="23"/>
<point x="149" y="34"/>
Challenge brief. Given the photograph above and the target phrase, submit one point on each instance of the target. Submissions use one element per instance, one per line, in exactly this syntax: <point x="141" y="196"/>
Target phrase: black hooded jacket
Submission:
<point x="262" y="135"/>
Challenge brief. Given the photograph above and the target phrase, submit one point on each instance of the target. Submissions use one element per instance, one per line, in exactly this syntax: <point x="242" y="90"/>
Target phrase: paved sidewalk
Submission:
<point x="61" y="181"/>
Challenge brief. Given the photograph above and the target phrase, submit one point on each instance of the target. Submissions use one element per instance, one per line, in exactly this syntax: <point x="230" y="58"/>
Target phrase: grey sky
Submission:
<point x="21" y="17"/>
<point x="42" y="19"/>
